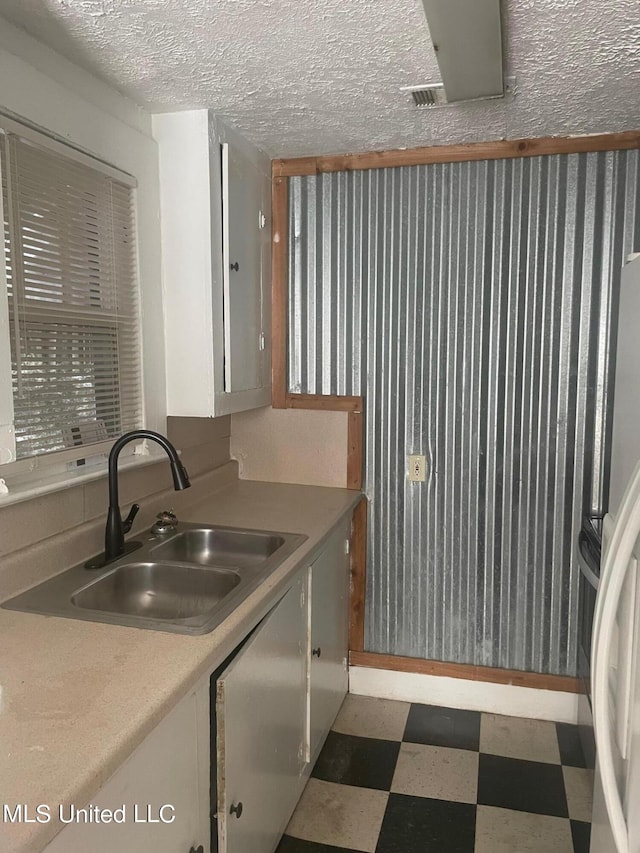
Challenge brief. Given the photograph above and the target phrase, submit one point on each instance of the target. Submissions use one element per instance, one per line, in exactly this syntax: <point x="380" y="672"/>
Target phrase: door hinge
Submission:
<point x="347" y="546"/>
<point x="262" y="220"/>
<point x="261" y="341"/>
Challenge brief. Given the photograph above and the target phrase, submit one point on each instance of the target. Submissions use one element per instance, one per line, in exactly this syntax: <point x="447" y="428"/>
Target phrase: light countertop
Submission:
<point x="78" y="697"/>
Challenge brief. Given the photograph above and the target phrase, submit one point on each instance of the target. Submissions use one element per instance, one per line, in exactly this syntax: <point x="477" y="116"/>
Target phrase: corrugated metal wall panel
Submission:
<point x="470" y="303"/>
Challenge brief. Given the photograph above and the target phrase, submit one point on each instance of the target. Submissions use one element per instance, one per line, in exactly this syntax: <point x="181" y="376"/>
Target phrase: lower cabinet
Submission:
<point x="329" y="638"/>
<point x="159" y="798"/>
<point x="277" y="700"/>
<point x="260" y="721"/>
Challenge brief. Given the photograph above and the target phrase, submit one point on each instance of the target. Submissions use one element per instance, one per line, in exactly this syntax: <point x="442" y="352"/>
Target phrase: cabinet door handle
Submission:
<point x="235" y="266"/>
<point x="316" y="652"/>
<point x="236" y="810"/>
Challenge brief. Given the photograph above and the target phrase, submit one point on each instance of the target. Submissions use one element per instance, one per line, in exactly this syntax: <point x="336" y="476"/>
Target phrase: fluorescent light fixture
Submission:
<point x="467" y="38"/>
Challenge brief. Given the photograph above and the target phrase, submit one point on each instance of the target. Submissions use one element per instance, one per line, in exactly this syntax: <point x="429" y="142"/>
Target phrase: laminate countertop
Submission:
<point x="78" y="697"/>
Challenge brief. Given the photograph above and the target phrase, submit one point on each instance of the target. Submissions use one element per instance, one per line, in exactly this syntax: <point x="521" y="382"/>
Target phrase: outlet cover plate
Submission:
<point x="417" y="469"/>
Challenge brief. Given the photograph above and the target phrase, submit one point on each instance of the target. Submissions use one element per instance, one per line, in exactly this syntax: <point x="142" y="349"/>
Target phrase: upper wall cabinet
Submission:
<point x="216" y="234"/>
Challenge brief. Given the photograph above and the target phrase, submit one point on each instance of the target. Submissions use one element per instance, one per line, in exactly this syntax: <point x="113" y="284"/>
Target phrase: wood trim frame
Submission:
<point x="279" y="267"/>
<point x="498" y="150"/>
<point x="280" y="396"/>
<point x="323" y="402"/>
<point x="358" y="552"/>
<point x="515" y="677"/>
<point x="353" y="406"/>
<point x="283" y="169"/>
<point x="355" y="449"/>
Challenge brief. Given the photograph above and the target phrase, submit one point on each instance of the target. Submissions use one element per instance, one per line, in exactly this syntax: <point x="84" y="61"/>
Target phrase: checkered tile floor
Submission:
<point x="394" y="777"/>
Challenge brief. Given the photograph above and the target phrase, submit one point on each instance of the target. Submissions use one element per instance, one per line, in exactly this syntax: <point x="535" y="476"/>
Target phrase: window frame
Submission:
<point x="50" y="471"/>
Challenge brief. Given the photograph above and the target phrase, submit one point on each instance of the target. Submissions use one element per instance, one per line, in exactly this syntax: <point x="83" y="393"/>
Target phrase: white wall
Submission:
<point x="43" y="88"/>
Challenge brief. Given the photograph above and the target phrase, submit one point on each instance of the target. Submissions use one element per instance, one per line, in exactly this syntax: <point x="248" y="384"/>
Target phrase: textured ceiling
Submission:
<point x="323" y="76"/>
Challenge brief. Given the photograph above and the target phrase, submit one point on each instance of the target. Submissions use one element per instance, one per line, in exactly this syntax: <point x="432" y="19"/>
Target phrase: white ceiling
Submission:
<point x="323" y="76"/>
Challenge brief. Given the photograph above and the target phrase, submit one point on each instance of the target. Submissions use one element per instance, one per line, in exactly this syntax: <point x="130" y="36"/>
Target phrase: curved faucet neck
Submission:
<point x="115" y="528"/>
<point x="121" y="442"/>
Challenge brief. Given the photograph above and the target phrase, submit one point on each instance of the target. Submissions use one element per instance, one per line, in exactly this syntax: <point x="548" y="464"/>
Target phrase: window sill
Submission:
<point x="34" y="486"/>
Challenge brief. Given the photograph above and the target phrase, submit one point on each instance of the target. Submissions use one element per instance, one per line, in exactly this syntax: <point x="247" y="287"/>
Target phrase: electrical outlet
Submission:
<point x="417" y="469"/>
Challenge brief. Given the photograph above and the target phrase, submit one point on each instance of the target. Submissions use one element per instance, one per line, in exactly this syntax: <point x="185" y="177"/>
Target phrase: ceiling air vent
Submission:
<point x="429" y="95"/>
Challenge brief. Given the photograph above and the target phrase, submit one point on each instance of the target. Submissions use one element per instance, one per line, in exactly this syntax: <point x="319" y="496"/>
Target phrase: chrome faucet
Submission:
<point x="116" y="528"/>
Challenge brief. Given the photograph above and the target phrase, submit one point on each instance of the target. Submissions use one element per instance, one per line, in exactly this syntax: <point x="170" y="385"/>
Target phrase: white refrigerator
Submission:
<point x="616" y="633"/>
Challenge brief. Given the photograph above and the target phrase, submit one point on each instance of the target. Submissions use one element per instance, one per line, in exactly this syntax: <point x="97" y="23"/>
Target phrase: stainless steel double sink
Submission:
<point x="186" y="582"/>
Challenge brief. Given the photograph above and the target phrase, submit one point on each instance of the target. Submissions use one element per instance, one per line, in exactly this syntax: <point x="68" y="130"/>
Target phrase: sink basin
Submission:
<point x="215" y="547"/>
<point x="157" y="591"/>
<point x="187" y="583"/>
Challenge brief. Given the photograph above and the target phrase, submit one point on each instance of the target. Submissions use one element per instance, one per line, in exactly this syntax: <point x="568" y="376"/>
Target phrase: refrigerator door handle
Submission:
<point x="587" y="561"/>
<point x="614" y="571"/>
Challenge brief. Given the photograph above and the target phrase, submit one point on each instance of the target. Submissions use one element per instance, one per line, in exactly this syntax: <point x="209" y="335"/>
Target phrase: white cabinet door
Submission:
<point x="215" y="194"/>
<point x="162" y="791"/>
<point x="245" y="224"/>
<point x="329" y="639"/>
<point x="261" y="710"/>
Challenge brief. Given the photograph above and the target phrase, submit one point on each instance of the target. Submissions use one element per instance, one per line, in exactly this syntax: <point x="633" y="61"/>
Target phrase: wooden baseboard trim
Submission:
<point x="500" y="149"/>
<point x="517" y="678"/>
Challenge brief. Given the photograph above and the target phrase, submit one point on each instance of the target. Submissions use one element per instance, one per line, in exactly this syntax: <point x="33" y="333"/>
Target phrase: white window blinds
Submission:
<point x="70" y="257"/>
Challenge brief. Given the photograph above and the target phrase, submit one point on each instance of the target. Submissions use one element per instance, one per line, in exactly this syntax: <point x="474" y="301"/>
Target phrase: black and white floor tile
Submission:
<point x="395" y="777"/>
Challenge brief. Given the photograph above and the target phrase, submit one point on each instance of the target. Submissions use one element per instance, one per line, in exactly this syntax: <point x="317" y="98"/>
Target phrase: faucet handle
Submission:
<point x="128" y="522"/>
<point x="168" y="517"/>
<point x="166" y="523"/>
